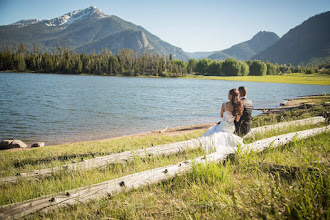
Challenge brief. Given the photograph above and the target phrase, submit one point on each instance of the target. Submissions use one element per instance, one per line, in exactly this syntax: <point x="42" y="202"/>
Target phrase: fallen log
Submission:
<point x="100" y="190"/>
<point x="276" y="127"/>
<point x="125" y="156"/>
<point x="283" y="139"/>
<point x="100" y="162"/>
<point x="112" y="187"/>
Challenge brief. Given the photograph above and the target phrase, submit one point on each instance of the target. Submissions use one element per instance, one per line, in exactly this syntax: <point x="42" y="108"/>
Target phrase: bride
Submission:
<point x="221" y="137"/>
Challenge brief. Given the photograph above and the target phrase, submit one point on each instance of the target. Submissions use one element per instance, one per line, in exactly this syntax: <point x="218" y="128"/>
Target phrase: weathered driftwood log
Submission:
<point x="101" y="190"/>
<point x="115" y="186"/>
<point x="165" y="149"/>
<point x="262" y="129"/>
<point x="283" y="139"/>
<point x="99" y="162"/>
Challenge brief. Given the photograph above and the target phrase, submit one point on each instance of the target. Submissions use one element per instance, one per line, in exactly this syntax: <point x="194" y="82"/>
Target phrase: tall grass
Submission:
<point x="283" y="130"/>
<point x="240" y="189"/>
<point x="294" y="114"/>
<point x="65" y="180"/>
<point x="61" y="181"/>
<point x="12" y="162"/>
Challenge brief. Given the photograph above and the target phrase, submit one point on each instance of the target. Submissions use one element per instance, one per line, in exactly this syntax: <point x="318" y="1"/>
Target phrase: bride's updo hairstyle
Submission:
<point x="236" y="102"/>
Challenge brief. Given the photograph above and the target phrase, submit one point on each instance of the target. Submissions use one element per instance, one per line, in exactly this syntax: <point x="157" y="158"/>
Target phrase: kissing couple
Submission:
<point x="235" y="122"/>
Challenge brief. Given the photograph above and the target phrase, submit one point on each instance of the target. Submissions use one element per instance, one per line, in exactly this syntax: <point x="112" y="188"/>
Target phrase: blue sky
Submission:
<point x="193" y="25"/>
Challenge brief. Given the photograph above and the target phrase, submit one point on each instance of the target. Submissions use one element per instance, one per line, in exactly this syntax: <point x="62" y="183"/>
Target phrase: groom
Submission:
<point x="243" y="126"/>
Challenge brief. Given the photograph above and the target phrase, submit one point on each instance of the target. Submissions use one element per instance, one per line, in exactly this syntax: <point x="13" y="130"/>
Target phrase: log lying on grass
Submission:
<point x="283" y="139"/>
<point x="307" y="121"/>
<point x="165" y="149"/>
<point x="112" y="187"/>
<point x="101" y="190"/>
<point x="100" y="162"/>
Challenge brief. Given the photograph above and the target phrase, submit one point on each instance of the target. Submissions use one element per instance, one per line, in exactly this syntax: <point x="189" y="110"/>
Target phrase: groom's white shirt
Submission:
<point x="242" y="97"/>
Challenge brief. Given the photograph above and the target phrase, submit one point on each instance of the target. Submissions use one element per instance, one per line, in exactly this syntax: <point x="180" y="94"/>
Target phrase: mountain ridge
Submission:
<point x="249" y="48"/>
<point x="78" y="29"/>
<point x="303" y="43"/>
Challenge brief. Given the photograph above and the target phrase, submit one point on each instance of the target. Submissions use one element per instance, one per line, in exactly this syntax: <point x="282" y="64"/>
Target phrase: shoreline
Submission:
<point x="290" y="78"/>
<point x="301" y="102"/>
<point x="170" y="131"/>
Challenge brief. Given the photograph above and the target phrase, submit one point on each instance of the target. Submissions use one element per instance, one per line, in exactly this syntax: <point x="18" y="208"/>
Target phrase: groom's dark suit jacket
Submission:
<point x="243" y="126"/>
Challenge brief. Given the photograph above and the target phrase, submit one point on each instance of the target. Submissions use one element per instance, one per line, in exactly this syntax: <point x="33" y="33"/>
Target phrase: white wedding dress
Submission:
<point x="221" y="137"/>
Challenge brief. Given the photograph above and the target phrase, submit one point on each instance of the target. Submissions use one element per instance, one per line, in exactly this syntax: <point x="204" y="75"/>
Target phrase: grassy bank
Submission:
<point x="13" y="162"/>
<point x="62" y="181"/>
<point x="245" y="187"/>
<point x="66" y="180"/>
<point x="294" y="78"/>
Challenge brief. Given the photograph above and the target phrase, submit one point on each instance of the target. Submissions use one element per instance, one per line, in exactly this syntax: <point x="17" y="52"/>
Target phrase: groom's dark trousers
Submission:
<point x="243" y="126"/>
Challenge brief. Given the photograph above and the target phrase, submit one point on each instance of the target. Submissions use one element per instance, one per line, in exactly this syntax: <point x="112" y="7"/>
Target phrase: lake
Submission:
<point x="55" y="108"/>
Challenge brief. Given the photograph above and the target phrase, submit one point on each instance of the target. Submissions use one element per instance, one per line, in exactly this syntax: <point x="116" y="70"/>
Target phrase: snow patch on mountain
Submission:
<point x="73" y="16"/>
<point x="26" y="22"/>
<point x="66" y="19"/>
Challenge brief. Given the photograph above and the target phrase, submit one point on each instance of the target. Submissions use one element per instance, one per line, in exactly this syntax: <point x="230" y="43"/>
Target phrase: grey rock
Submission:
<point x="5" y="144"/>
<point x="17" y="144"/>
<point x="38" y="144"/>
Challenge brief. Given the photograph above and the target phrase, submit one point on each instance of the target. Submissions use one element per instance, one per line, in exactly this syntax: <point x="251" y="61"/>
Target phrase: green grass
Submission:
<point x="12" y="162"/>
<point x="294" y="114"/>
<point x="61" y="181"/>
<point x="240" y="189"/>
<point x="280" y="131"/>
<point x="294" y="78"/>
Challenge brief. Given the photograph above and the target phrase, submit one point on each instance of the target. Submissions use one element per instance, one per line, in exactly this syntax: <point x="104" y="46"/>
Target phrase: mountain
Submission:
<point x="135" y="40"/>
<point x="199" y="55"/>
<point x="247" y="49"/>
<point x="26" y="22"/>
<point x="303" y="44"/>
<point x="87" y="30"/>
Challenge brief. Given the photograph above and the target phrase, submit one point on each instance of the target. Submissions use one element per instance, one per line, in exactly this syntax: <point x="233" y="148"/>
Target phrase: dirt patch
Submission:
<point x="183" y="129"/>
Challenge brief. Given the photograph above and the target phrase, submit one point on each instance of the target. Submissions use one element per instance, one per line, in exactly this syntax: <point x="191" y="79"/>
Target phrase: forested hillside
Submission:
<point x="308" y="43"/>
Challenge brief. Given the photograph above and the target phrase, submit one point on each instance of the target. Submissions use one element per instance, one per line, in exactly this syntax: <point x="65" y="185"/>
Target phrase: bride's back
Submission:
<point x="229" y="107"/>
<point x="228" y="113"/>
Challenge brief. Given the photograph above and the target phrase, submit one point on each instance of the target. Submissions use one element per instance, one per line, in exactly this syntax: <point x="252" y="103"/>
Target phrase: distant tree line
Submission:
<point x="232" y="67"/>
<point x="126" y="62"/>
<point x="63" y="60"/>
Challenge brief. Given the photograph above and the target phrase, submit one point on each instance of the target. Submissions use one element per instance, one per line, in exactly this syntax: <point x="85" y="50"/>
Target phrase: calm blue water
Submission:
<point x="67" y="108"/>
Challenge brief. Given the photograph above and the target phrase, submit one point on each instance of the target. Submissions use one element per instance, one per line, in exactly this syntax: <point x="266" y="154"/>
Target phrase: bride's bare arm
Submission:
<point x="222" y="110"/>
